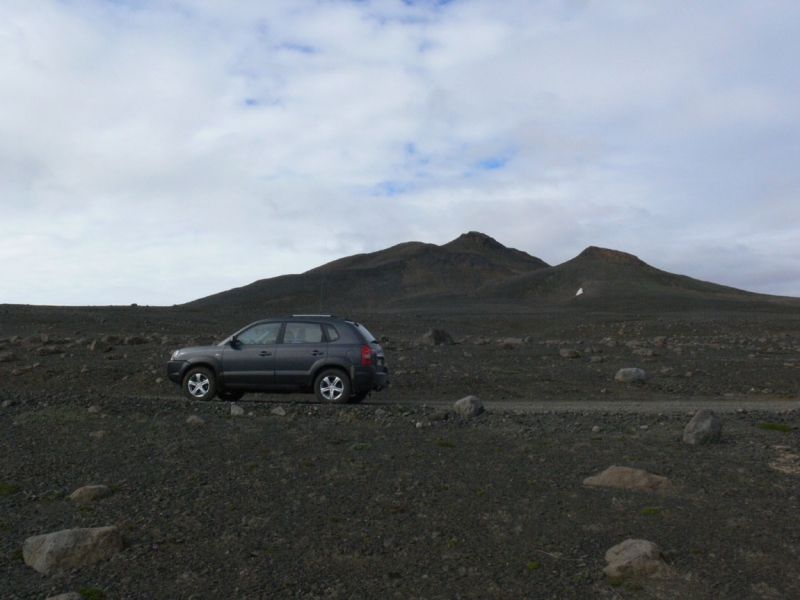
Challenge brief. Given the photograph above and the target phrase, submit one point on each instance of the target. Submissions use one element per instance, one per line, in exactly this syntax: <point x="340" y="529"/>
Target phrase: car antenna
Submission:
<point x="322" y="281"/>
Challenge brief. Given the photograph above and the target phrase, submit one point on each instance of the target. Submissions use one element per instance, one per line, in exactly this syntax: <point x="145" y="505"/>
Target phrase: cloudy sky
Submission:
<point x="157" y="151"/>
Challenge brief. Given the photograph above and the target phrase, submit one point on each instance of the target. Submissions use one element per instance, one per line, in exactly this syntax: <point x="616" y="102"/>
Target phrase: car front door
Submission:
<point x="249" y="362"/>
<point x="302" y="347"/>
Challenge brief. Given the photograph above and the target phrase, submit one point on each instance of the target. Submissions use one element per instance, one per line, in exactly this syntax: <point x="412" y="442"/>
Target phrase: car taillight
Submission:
<point x="366" y="355"/>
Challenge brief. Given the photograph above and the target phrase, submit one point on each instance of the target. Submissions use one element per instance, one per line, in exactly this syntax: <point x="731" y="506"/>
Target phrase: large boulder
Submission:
<point x="636" y="558"/>
<point x="468" y="407"/>
<point x="435" y="337"/>
<point x="627" y="478"/>
<point x="630" y="375"/>
<point x="704" y="428"/>
<point x="71" y="548"/>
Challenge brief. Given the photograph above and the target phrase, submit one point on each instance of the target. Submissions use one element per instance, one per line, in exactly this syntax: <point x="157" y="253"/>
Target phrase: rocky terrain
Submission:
<point x="402" y="496"/>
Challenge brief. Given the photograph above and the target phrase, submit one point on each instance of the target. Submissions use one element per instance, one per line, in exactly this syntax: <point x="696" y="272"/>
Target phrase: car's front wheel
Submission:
<point x="200" y="384"/>
<point x="332" y="386"/>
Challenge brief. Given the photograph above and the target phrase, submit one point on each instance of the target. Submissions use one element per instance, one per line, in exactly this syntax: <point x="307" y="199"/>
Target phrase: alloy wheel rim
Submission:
<point x="332" y="388"/>
<point x="198" y="385"/>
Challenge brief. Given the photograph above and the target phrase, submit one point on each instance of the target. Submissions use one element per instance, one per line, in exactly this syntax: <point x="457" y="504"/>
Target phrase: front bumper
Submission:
<point x="175" y="370"/>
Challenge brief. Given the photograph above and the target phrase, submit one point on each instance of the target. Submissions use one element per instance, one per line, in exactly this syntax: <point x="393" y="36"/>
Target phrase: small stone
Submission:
<point x="643" y="352"/>
<point x="71" y="548"/>
<point x="94" y="409"/>
<point x="569" y="353"/>
<point x="195" y="420"/>
<point x="236" y="410"/>
<point x="469" y="407"/>
<point x="98" y="434"/>
<point x="90" y="493"/>
<point x="379" y="412"/>
<point x="596" y="359"/>
<point x="7" y="357"/>
<point x="627" y="478"/>
<point x="49" y="350"/>
<point x="630" y="375"/>
<point x="704" y="428"/>
<point x="278" y="411"/>
<point x="636" y="558"/>
<point x="67" y="596"/>
<point x="596" y="429"/>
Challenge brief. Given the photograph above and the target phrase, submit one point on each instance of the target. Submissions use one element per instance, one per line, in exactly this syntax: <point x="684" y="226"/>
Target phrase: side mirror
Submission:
<point x="234" y="342"/>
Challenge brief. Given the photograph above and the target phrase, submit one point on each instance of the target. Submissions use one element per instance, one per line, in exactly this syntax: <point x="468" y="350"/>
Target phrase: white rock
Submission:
<point x="596" y="429"/>
<point x="71" y="548"/>
<point x="278" y="411"/>
<point x="236" y="410"/>
<point x="94" y="409"/>
<point x="195" y="420"/>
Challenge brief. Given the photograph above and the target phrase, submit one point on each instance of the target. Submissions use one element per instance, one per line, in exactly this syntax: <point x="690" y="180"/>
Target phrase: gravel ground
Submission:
<point x="386" y="501"/>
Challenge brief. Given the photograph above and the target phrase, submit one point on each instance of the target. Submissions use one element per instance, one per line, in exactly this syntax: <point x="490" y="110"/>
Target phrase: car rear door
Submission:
<point x="249" y="362"/>
<point x="303" y="347"/>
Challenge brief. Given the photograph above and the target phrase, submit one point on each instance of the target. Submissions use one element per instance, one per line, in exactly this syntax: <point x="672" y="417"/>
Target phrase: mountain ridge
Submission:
<point x="477" y="270"/>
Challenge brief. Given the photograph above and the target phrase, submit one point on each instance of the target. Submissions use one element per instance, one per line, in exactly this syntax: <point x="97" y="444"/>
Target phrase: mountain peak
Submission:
<point x="611" y="256"/>
<point x="474" y="240"/>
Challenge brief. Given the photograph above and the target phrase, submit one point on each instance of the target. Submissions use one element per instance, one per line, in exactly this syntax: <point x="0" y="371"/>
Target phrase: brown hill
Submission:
<point x="406" y="275"/>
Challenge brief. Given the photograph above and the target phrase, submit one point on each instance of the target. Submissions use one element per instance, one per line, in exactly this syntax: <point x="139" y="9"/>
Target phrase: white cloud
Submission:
<point x="156" y="152"/>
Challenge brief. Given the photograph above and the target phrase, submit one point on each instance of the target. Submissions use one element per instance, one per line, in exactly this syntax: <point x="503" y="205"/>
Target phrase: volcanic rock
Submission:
<point x="704" y="428"/>
<point x="468" y="407"/>
<point x="436" y="337"/>
<point x="630" y="375"/>
<point x="636" y="558"/>
<point x="71" y="548"/>
<point x="90" y="493"/>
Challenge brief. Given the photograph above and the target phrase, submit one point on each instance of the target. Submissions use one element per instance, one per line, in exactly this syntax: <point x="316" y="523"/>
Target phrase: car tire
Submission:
<point x="358" y="397"/>
<point x="332" y="386"/>
<point x="200" y="384"/>
<point x="230" y="395"/>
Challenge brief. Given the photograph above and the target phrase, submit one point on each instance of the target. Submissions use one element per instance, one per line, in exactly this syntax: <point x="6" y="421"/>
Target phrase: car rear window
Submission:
<point x="365" y="333"/>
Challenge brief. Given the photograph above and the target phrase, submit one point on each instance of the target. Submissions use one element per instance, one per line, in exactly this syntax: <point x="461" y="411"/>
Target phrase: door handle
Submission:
<point x="265" y="353"/>
<point x="317" y="353"/>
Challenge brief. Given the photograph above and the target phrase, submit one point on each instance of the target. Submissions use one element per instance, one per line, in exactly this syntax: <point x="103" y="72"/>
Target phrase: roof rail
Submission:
<point x="318" y="315"/>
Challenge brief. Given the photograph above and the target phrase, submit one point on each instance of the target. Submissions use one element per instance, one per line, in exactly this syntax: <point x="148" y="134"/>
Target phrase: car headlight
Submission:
<point x="175" y="354"/>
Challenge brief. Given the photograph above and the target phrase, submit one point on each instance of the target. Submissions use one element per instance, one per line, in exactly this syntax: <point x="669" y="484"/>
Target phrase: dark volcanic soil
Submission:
<point x="382" y="500"/>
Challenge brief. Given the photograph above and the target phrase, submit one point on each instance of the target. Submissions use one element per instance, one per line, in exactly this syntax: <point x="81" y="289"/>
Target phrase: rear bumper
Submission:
<point x="369" y="378"/>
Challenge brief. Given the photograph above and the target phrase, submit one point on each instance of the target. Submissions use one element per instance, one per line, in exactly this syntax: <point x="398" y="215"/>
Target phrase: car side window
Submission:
<point x="263" y="333"/>
<point x="331" y="332"/>
<point x="302" y="333"/>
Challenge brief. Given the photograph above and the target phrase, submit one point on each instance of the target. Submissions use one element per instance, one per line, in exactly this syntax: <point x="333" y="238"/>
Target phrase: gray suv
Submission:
<point x="337" y="359"/>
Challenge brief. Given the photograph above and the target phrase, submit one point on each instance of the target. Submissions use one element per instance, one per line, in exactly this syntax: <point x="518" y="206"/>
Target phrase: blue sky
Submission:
<point x="157" y="152"/>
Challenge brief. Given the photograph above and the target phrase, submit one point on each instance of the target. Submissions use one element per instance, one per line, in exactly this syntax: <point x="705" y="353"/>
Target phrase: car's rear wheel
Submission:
<point x="332" y="386"/>
<point x="200" y="384"/>
<point x="230" y="395"/>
